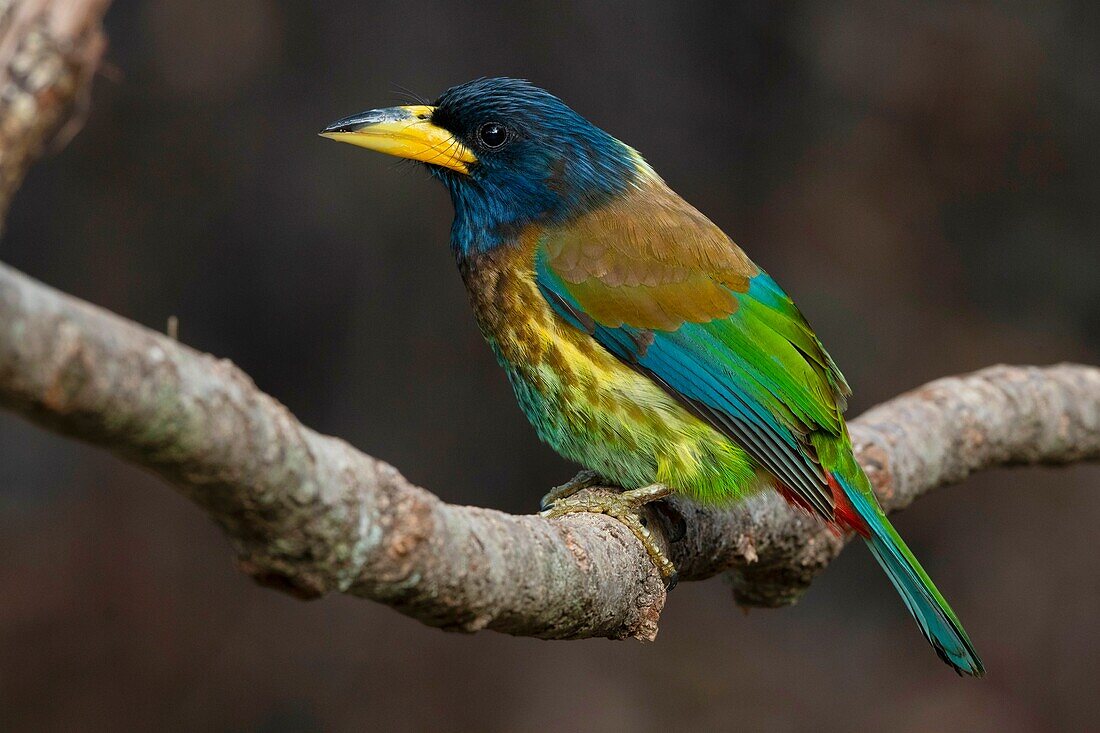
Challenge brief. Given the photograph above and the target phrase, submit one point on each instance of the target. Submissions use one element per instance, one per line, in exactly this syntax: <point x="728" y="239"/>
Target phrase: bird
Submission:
<point x="640" y="341"/>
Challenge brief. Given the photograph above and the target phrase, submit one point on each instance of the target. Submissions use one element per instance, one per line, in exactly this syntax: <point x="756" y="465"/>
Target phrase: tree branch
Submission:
<point x="49" y="51"/>
<point x="310" y="515"/>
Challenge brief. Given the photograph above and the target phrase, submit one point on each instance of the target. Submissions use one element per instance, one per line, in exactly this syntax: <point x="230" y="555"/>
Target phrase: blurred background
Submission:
<point x="924" y="178"/>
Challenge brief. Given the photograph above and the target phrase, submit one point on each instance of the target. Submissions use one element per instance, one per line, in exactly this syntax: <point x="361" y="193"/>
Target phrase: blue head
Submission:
<point x="510" y="154"/>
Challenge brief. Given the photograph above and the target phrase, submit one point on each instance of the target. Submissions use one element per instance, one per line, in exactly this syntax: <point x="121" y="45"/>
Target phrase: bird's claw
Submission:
<point x="584" y="480"/>
<point x="625" y="507"/>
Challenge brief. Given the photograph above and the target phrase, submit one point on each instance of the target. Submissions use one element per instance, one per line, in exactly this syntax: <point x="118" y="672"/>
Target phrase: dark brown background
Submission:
<point x="923" y="177"/>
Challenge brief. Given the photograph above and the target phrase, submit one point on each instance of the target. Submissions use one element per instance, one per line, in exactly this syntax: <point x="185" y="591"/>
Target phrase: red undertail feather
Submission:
<point x="794" y="499"/>
<point x="845" y="516"/>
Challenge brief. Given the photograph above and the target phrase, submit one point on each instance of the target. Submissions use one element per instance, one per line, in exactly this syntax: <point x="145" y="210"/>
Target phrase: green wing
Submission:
<point x="669" y="294"/>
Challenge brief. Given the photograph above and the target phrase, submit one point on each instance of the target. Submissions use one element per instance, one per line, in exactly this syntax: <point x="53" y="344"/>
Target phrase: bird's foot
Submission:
<point x="625" y="507"/>
<point x="584" y="480"/>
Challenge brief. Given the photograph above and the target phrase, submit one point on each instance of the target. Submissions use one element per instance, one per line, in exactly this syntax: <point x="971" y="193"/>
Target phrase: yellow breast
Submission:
<point x="583" y="401"/>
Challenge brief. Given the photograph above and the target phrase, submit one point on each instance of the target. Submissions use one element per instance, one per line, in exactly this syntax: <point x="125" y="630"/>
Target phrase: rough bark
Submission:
<point x="48" y="53"/>
<point x="310" y="515"/>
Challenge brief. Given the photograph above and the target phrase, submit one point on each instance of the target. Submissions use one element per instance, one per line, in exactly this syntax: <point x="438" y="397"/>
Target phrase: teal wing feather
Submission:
<point x="672" y="296"/>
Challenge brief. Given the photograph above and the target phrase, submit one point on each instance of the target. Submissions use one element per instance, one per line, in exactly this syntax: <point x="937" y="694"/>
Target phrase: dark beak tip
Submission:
<point x="355" y="123"/>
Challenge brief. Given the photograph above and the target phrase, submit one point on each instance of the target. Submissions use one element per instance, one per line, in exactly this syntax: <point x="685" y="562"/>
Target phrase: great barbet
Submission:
<point x="641" y="341"/>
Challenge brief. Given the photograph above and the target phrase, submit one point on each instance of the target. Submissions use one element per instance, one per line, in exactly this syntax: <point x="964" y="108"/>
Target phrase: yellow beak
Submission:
<point x="406" y="132"/>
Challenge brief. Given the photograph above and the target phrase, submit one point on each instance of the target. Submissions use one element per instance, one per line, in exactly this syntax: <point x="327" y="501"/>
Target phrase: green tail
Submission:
<point x="937" y="621"/>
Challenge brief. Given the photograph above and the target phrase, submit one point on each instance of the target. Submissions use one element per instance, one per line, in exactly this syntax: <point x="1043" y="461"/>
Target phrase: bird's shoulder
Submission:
<point x="647" y="258"/>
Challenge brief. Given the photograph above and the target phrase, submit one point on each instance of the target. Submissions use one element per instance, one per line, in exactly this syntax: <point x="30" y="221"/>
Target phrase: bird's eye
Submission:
<point x="492" y="134"/>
